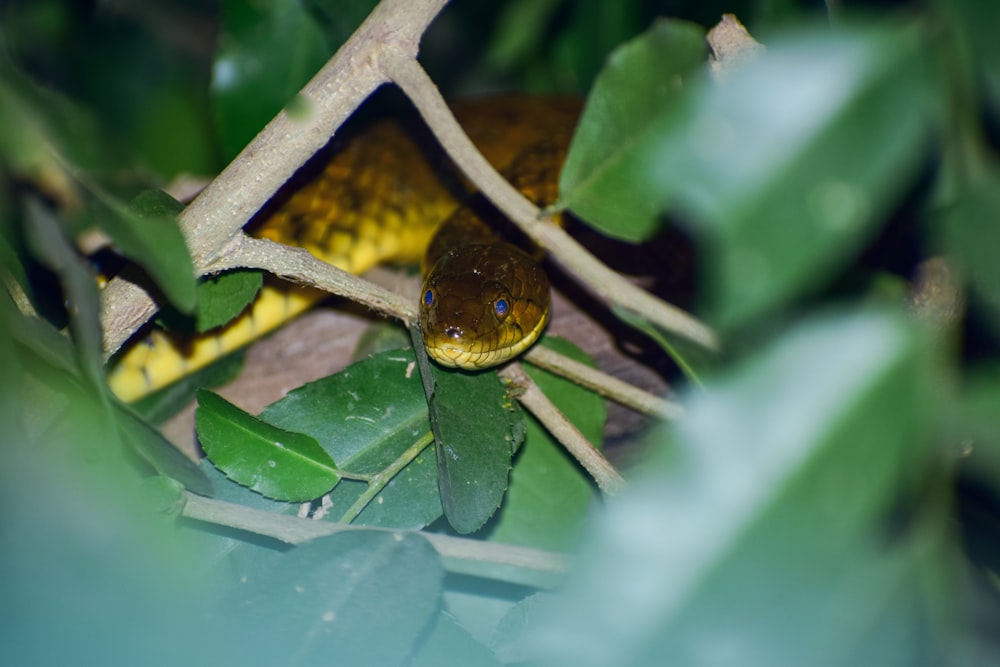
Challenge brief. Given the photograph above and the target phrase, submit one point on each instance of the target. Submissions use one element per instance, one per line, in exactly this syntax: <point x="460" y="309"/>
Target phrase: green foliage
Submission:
<point x="220" y="299"/>
<point x="276" y="463"/>
<point x="829" y="497"/>
<point x="477" y="427"/>
<point x="366" y="417"/>
<point x="325" y="599"/>
<point x="631" y="109"/>
<point x="761" y="472"/>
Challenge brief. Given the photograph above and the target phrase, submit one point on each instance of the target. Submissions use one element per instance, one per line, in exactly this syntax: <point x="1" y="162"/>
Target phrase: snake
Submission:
<point x="384" y="195"/>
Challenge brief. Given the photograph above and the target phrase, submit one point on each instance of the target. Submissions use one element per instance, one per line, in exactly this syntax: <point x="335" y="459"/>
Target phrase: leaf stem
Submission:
<point x="379" y="480"/>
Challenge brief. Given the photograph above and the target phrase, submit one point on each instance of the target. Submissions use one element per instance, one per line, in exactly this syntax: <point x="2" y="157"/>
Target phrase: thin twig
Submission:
<point x="607" y="284"/>
<point x="502" y="562"/>
<point x="603" y="384"/>
<point x="383" y="477"/>
<point x="538" y="404"/>
<point x="212" y="223"/>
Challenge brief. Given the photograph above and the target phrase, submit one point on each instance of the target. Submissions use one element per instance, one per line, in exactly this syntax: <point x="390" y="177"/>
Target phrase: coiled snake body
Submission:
<point x="380" y="198"/>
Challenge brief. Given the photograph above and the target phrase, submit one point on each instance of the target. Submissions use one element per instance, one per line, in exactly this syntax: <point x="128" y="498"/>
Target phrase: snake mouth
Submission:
<point x="448" y="352"/>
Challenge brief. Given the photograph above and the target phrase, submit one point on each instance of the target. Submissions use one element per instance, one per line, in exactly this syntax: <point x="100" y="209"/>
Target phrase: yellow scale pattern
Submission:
<point x="379" y="199"/>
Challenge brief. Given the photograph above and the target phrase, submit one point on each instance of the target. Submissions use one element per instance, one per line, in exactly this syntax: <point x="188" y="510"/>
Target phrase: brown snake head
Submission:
<point x="483" y="304"/>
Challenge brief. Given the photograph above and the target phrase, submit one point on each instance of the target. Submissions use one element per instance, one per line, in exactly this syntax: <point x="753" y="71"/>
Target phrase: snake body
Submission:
<point x="381" y="197"/>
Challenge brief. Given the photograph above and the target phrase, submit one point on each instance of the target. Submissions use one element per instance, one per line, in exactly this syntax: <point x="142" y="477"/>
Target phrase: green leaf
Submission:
<point x="787" y="167"/>
<point x="970" y="231"/>
<point x="976" y="20"/>
<point x="549" y="495"/>
<point x="774" y="521"/>
<point x="220" y="299"/>
<point x="159" y="452"/>
<point x="477" y="427"/>
<point x="50" y="246"/>
<point x="366" y="416"/>
<point x="606" y="179"/>
<point x="147" y="233"/>
<point x="276" y="463"/>
<point x="356" y="598"/>
<point x="267" y="52"/>
<point x="693" y="360"/>
<point x="46" y="136"/>
<point x="450" y="644"/>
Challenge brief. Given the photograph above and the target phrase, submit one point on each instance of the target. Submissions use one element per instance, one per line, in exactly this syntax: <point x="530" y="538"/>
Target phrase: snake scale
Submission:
<point x="383" y="197"/>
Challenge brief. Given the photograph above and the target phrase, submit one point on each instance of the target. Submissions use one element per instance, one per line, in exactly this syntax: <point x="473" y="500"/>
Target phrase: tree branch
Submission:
<point x="212" y="223"/>
<point x="603" y="384"/>
<point x="538" y="404"/>
<point x="301" y="266"/>
<point x="607" y="284"/>
<point x="521" y="565"/>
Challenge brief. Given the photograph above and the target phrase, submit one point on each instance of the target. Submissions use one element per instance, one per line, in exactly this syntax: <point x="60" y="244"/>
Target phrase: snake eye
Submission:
<point x="500" y="307"/>
<point x="429" y="298"/>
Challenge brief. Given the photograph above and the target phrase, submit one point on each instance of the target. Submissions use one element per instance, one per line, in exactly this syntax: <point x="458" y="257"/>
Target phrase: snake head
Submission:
<point x="483" y="304"/>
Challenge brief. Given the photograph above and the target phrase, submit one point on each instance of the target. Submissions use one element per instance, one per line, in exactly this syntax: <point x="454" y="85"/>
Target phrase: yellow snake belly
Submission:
<point x="381" y="197"/>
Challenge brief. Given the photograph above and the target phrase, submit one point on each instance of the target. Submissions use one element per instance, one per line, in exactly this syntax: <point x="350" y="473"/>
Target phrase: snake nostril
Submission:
<point x="453" y="332"/>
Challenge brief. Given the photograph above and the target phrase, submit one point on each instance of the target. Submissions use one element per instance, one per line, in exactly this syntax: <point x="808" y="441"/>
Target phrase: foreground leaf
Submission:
<point x="970" y="231"/>
<point x="147" y="233"/>
<point x="355" y="598"/>
<point x="450" y="644"/>
<point x="787" y="167"/>
<point x="766" y="530"/>
<point x="276" y="463"/>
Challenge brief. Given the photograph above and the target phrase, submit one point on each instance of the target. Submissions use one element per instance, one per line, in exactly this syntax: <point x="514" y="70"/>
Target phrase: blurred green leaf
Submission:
<point x="159" y="452"/>
<point x="970" y="231"/>
<point x="340" y="18"/>
<point x="50" y="246"/>
<point x="365" y="417"/>
<point x="450" y="644"/>
<point x="94" y="562"/>
<point x="147" y="232"/>
<point x="46" y="136"/>
<point x="356" y="598"/>
<point x="266" y="54"/>
<point x="477" y="427"/>
<point x="549" y="495"/>
<point x="976" y="23"/>
<point x="279" y="464"/>
<point x="767" y="535"/>
<point x="606" y="178"/>
<point x="792" y="162"/>
<point x="163" y="495"/>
